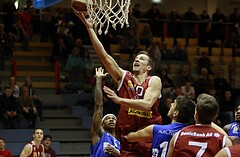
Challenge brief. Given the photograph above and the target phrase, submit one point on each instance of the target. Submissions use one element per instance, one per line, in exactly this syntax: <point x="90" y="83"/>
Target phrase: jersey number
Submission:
<point x="202" y="145"/>
<point x="164" y="146"/>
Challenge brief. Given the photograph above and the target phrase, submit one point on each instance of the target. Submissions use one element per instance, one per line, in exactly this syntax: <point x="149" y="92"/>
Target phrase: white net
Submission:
<point x="104" y="13"/>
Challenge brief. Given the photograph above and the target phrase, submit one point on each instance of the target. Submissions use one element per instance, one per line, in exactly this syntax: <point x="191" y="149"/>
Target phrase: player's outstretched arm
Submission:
<point x="171" y="146"/>
<point x="109" y="63"/>
<point x="97" y="130"/>
<point x="26" y="151"/>
<point x="150" y="97"/>
<point x="142" y="134"/>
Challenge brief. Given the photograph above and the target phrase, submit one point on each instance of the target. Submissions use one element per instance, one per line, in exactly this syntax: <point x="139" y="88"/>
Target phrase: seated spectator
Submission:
<point x="227" y="104"/>
<point x="47" y="141"/>
<point x="32" y="92"/>
<point x="179" y="54"/>
<point x="167" y="54"/>
<point x="155" y="53"/>
<point x="188" y="90"/>
<point x="146" y="36"/>
<point x="136" y="11"/>
<point x="167" y="83"/>
<point x="28" y="108"/>
<point x="184" y="76"/>
<point x="204" y="62"/>
<point x="163" y="110"/>
<point x="14" y="87"/>
<point x="204" y="83"/>
<point x="129" y="42"/>
<point x="10" y="109"/>
<point x="18" y="34"/>
<point x="59" y="51"/>
<point x="4" y="152"/>
<point x="220" y="83"/>
<point x="74" y="60"/>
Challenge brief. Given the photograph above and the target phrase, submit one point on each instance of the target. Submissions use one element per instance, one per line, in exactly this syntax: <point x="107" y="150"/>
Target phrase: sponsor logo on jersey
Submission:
<point x="140" y="113"/>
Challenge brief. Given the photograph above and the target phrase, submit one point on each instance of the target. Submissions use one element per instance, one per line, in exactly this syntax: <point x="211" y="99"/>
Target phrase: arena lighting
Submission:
<point x="16" y="4"/>
<point x="156" y="1"/>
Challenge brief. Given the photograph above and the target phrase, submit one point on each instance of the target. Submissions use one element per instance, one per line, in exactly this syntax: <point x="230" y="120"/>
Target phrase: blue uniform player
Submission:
<point x="233" y="129"/>
<point x="104" y="144"/>
<point x="181" y="112"/>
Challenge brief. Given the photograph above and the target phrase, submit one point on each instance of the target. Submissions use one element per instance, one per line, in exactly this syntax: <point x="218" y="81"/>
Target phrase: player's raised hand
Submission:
<point x="99" y="73"/>
<point x="87" y="22"/>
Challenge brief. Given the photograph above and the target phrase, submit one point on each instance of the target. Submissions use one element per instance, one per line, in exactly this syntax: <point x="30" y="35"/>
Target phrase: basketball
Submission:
<point x="80" y="5"/>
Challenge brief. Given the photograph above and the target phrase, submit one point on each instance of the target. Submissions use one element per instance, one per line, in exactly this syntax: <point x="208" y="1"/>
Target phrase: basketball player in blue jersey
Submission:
<point x="104" y="144"/>
<point x="181" y="112"/>
<point x="233" y="129"/>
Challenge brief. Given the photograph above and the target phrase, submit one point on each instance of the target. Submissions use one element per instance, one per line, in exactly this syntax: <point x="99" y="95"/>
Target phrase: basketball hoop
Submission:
<point x="104" y="13"/>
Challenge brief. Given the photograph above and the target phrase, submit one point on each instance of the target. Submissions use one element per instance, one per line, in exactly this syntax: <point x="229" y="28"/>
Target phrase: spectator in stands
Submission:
<point x="232" y="41"/>
<point x="220" y="83"/>
<point x="174" y="25"/>
<point x="218" y="27"/>
<point x="177" y="91"/>
<point x="204" y="28"/>
<point x="74" y="60"/>
<point x="234" y="19"/>
<point x="204" y="83"/>
<point x="103" y="138"/>
<point x="32" y="92"/>
<point x="34" y="147"/>
<point x="136" y="11"/>
<point x="9" y="17"/>
<point x="167" y="53"/>
<point x="129" y="42"/>
<point x="4" y="152"/>
<point x="189" y="23"/>
<point x="79" y="45"/>
<point x="227" y="104"/>
<point x="155" y="52"/>
<point x="45" y="24"/>
<point x="164" y="107"/>
<point x="146" y="36"/>
<point x="184" y="76"/>
<point x="14" y="87"/>
<point x="48" y="150"/>
<point x="26" y="16"/>
<point x="29" y="111"/>
<point x="167" y="83"/>
<point x="18" y="34"/>
<point x="156" y="25"/>
<point x="179" y="54"/>
<point x="204" y="62"/>
<point x="188" y="90"/>
<point x="5" y="50"/>
<point x="10" y="109"/>
<point x="59" y="51"/>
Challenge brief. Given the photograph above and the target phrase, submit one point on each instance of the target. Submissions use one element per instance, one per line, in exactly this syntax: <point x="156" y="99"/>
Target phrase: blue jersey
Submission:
<point x="97" y="150"/>
<point x="162" y="134"/>
<point x="234" y="129"/>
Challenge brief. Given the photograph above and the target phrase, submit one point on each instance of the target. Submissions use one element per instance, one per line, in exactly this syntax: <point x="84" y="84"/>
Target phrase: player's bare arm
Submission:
<point x="215" y="126"/>
<point x="142" y="134"/>
<point x="26" y="151"/>
<point x="228" y="142"/>
<point x="97" y="130"/>
<point x="151" y="95"/>
<point x="110" y="64"/>
<point x="222" y="153"/>
<point x="171" y="146"/>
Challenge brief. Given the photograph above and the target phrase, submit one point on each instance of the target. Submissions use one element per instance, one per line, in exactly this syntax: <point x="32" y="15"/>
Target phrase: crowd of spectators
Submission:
<point x="68" y="36"/>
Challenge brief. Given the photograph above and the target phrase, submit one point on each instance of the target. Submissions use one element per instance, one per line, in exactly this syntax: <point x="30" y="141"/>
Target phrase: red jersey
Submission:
<point x="36" y="151"/>
<point x="5" y="153"/>
<point x="50" y="152"/>
<point x="233" y="151"/>
<point x="198" y="140"/>
<point x="130" y="119"/>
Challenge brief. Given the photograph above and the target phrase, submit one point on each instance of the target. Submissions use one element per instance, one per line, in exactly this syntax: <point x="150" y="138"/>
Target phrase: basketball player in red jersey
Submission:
<point x="139" y="96"/>
<point x="201" y="139"/>
<point x="34" y="148"/>
<point x="233" y="151"/>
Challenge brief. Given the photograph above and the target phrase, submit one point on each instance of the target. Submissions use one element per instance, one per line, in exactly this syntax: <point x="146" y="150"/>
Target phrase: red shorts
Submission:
<point x="135" y="149"/>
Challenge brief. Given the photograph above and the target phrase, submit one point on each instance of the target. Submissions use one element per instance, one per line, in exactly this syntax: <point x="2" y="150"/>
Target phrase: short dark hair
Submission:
<point x="1" y="138"/>
<point x="150" y="62"/>
<point x="186" y="108"/>
<point x="207" y="108"/>
<point x="47" y="136"/>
